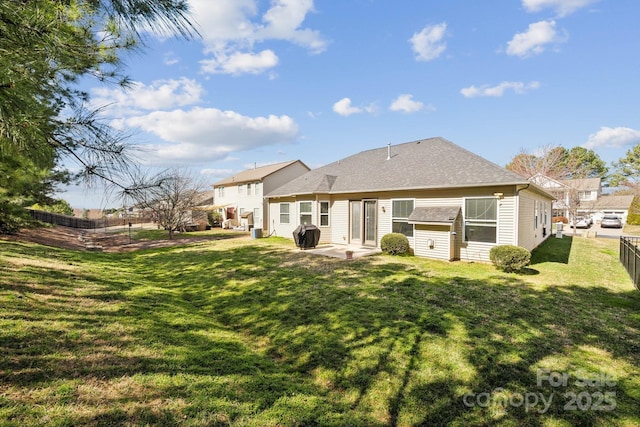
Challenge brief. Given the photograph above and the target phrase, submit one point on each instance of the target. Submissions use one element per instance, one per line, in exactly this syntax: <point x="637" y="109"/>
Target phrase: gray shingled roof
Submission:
<point x="425" y="164"/>
<point x="257" y="174"/>
<point x="614" y="202"/>
<point x="582" y="184"/>
<point x="434" y="215"/>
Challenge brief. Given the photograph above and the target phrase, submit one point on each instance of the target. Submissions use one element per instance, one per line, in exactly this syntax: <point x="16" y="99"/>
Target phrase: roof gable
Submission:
<point x="256" y="174"/>
<point x="583" y="184"/>
<point x="425" y="164"/>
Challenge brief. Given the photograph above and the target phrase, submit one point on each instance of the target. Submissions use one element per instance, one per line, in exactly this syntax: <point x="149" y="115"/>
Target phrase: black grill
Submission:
<point x="306" y="236"/>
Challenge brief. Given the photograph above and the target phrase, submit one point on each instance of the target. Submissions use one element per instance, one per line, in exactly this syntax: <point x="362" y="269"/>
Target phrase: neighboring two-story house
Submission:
<point x="584" y="196"/>
<point x="578" y="194"/>
<point x="240" y="197"/>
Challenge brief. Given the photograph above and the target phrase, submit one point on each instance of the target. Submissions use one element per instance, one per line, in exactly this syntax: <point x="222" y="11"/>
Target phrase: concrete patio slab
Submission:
<point x="340" y="251"/>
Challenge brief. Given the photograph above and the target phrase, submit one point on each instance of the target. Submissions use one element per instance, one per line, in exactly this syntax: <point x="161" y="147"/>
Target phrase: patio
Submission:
<point x="339" y="251"/>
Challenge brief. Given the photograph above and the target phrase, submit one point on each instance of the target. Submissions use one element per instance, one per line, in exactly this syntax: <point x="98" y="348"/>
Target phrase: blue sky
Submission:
<point x="278" y="80"/>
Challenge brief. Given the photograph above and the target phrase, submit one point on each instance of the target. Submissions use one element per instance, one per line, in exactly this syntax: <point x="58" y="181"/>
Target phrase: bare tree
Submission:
<point x="170" y="196"/>
<point x="549" y="162"/>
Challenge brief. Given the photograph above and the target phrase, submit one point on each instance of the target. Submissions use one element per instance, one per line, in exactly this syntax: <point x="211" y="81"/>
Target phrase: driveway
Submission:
<point x="595" y="229"/>
<point x="613" y="233"/>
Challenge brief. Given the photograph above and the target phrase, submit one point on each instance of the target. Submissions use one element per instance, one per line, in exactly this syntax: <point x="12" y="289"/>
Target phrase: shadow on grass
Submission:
<point x="259" y="335"/>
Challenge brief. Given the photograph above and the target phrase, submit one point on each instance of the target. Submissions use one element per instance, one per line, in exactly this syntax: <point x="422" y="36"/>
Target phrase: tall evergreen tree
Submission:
<point x="627" y="169"/>
<point x="46" y="48"/>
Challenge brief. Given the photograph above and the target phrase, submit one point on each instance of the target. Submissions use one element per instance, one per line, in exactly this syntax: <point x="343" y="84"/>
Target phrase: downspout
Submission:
<point x="516" y="228"/>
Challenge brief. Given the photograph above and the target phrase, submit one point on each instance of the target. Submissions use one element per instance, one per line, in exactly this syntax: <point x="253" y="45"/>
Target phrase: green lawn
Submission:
<point x="253" y="333"/>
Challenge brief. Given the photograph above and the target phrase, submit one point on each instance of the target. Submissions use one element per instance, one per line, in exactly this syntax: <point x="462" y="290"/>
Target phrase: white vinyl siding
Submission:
<point x="339" y="222"/>
<point x="532" y="206"/>
<point x="442" y="240"/>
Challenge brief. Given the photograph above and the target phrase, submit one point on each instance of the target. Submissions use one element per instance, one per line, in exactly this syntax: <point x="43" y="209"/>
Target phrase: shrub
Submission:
<point x="562" y="219"/>
<point x="395" y="243"/>
<point x="214" y="218"/>
<point x="510" y="258"/>
<point x="634" y="212"/>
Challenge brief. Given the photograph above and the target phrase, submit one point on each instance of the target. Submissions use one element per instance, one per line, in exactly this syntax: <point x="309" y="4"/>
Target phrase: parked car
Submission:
<point x="610" y="221"/>
<point x="581" y="222"/>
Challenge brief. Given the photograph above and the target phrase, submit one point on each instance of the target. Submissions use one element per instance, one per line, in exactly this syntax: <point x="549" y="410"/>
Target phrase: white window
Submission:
<point x="239" y="188"/>
<point x="248" y="189"/>
<point x="306" y="213"/>
<point x="400" y="211"/>
<point x="284" y="213"/>
<point x="324" y="214"/>
<point x="481" y="220"/>
<point x="584" y="195"/>
<point x="256" y="214"/>
<point x="220" y="191"/>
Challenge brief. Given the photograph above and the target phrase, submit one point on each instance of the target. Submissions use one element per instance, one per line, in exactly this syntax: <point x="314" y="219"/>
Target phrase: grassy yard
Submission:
<point x="253" y="333"/>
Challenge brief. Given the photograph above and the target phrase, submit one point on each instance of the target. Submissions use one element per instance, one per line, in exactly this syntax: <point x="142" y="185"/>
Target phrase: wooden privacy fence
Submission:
<point x="630" y="258"/>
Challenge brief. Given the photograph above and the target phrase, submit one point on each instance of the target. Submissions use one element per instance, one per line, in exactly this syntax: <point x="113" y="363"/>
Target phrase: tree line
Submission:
<point x="560" y="163"/>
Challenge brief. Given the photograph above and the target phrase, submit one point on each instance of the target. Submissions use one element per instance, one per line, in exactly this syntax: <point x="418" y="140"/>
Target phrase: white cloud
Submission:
<point x="216" y="172"/>
<point x="283" y="22"/>
<point x="231" y="29"/>
<point x="239" y="63"/>
<point x="170" y="58"/>
<point x="613" y="137"/>
<point x="499" y="90"/>
<point x="561" y="7"/>
<point x="428" y="44"/>
<point x="345" y="108"/>
<point x="535" y="39"/>
<point x="160" y="94"/>
<point x="405" y="103"/>
<point x="206" y="134"/>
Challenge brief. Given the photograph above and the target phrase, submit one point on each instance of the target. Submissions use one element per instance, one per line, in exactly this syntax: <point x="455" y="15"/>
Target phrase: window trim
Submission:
<point x="403" y="219"/>
<point x="495" y="222"/>
<point x="309" y="213"/>
<point x="327" y="214"/>
<point x="287" y="213"/>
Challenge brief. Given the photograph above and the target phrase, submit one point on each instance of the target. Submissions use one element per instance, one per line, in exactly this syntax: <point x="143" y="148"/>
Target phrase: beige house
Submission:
<point x="450" y="203"/>
<point x="240" y="197"/>
<point x="579" y="194"/>
<point x="585" y="195"/>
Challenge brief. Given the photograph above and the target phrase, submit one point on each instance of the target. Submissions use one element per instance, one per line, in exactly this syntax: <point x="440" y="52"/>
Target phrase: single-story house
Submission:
<point x="450" y="203"/>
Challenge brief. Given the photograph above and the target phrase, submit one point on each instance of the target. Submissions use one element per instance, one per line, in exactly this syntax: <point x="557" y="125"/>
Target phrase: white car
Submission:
<point x="581" y="222"/>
